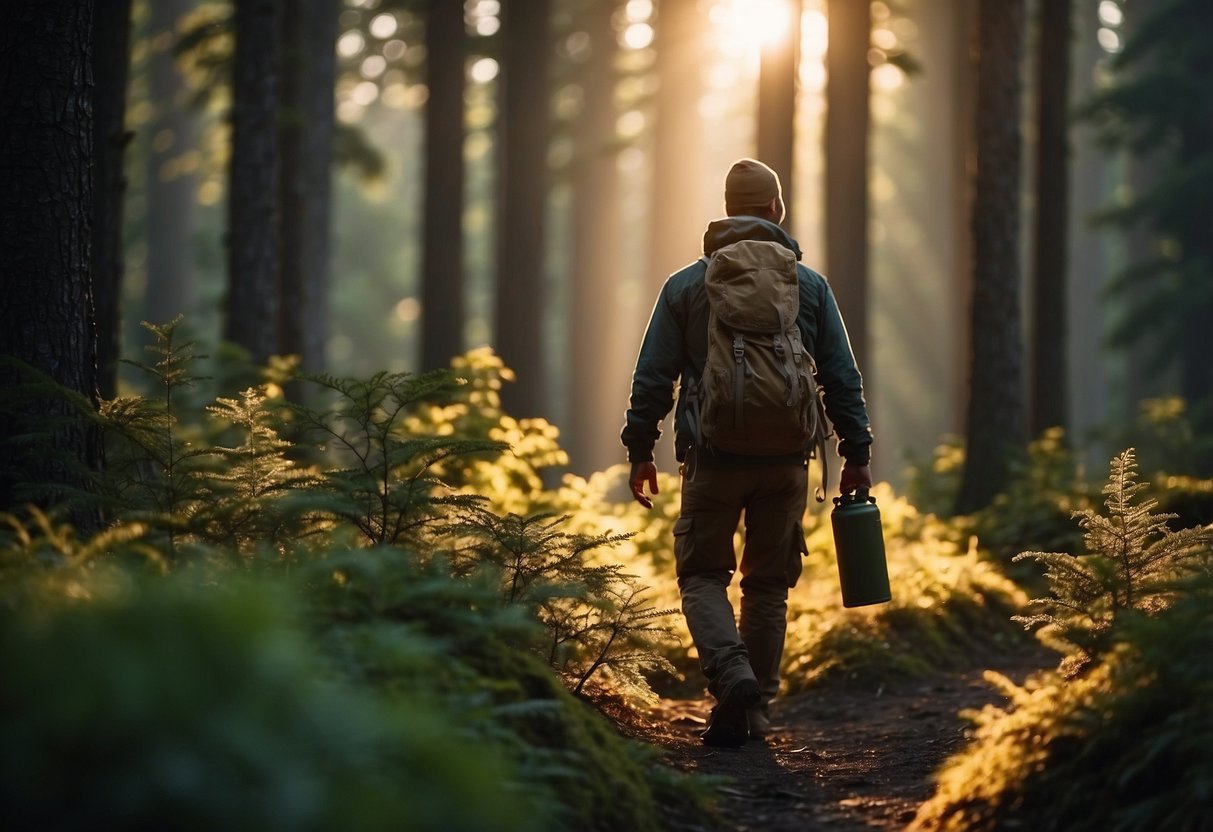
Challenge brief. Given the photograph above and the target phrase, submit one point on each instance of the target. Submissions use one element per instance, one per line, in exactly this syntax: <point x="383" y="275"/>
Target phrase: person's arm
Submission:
<point x="843" y="394"/>
<point x="657" y="369"/>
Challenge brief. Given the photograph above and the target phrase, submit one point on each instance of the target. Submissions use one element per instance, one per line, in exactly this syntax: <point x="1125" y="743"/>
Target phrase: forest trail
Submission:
<point x="842" y="756"/>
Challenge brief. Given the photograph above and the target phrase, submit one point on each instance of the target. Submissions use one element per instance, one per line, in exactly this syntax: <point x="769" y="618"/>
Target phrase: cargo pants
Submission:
<point x="772" y="499"/>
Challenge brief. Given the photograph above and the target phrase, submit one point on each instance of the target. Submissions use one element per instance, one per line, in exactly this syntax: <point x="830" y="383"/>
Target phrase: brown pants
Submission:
<point x="772" y="498"/>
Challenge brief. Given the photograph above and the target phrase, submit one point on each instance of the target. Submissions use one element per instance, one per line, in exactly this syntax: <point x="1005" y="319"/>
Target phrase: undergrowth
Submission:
<point x="1117" y="738"/>
<point x="365" y="566"/>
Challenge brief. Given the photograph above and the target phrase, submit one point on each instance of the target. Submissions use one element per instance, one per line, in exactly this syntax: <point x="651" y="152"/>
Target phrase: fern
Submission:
<point x="384" y="480"/>
<point x="245" y="498"/>
<point x="1133" y="558"/>
<point x="154" y="469"/>
<point x="595" y="616"/>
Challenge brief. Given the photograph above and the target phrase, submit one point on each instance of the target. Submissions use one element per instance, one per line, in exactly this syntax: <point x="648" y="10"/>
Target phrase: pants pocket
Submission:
<point x="796" y="550"/>
<point x="683" y="542"/>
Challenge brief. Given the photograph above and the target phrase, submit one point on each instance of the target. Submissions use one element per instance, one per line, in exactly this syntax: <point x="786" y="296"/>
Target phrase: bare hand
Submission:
<point x="643" y="472"/>
<point x="853" y="477"/>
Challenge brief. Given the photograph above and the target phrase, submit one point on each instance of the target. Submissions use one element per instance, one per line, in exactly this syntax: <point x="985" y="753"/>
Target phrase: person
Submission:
<point x="740" y="660"/>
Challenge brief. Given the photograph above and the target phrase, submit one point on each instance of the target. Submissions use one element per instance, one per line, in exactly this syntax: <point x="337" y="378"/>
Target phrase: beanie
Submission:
<point x="751" y="184"/>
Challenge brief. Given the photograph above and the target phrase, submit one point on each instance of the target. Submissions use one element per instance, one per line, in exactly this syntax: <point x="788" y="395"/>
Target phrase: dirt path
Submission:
<point x="842" y="757"/>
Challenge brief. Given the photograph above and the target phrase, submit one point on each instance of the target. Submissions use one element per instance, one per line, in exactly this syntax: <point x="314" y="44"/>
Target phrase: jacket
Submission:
<point x="676" y="342"/>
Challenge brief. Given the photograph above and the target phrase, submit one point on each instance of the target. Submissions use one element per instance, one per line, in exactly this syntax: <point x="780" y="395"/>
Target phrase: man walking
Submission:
<point x="740" y="661"/>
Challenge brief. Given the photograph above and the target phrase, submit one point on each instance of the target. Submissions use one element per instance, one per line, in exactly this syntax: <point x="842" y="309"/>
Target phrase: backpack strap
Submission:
<point x="739" y="370"/>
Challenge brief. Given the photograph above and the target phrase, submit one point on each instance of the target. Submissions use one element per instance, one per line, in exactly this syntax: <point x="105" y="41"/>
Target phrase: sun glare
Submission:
<point x="750" y="25"/>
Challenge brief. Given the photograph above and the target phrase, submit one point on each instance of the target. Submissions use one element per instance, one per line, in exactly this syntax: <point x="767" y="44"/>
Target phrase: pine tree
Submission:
<point x="1160" y="109"/>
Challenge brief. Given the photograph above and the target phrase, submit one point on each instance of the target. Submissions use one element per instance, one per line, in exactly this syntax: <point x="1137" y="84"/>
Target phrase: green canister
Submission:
<point x="858" y="540"/>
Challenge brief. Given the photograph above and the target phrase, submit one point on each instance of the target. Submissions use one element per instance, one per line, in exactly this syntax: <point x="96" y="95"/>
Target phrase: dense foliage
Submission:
<point x="1120" y="739"/>
<point x="381" y="573"/>
<point x="338" y="620"/>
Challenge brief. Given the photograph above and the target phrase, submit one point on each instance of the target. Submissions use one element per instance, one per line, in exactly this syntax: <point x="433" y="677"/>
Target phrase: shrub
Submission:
<point x="1124" y="747"/>
<point x="188" y="707"/>
<point x="1131" y="562"/>
<point x="1122" y="741"/>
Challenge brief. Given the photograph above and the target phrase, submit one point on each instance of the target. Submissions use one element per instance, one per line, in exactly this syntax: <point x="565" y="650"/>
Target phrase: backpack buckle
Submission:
<point x="738" y="349"/>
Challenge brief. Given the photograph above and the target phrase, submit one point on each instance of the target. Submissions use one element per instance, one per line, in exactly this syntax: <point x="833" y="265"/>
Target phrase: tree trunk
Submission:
<point x="678" y="174"/>
<point x="597" y="240"/>
<point x="171" y="187"/>
<point x="111" y="45"/>
<point x="846" y="168"/>
<point x="1050" y="387"/>
<point x="995" y="427"/>
<point x="523" y="132"/>
<point x="1091" y="399"/>
<point x="46" y="319"/>
<point x="309" y="37"/>
<point x="253" y="175"/>
<point x="777" y="105"/>
<point x="442" y="317"/>
<point x="678" y="178"/>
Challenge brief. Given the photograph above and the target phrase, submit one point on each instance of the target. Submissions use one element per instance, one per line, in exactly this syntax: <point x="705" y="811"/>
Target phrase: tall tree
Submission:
<point x="676" y="221"/>
<point x="111" y="45"/>
<point x="597" y="239"/>
<point x="777" y="87"/>
<point x="846" y="166"/>
<point x="995" y="428"/>
<point x="171" y="186"/>
<point x="309" y="37"/>
<point x="1160" y="109"/>
<point x="677" y="228"/>
<point x="1050" y="389"/>
<point x="46" y="319"/>
<point x="253" y="176"/>
<point x="523" y="136"/>
<point x="442" y="247"/>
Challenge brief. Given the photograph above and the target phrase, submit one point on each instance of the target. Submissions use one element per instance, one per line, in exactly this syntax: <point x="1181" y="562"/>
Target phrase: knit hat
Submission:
<point x="751" y="184"/>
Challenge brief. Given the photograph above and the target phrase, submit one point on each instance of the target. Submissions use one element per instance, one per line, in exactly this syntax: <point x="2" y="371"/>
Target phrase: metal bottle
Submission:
<point x="862" y="571"/>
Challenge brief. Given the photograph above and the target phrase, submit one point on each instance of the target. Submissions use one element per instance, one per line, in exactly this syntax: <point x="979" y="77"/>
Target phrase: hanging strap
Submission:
<point x="739" y="371"/>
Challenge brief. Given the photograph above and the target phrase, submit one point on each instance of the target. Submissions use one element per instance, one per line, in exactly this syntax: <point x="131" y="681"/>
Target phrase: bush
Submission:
<point x="1125" y="747"/>
<point x="1123" y="740"/>
<point x="190" y="707"/>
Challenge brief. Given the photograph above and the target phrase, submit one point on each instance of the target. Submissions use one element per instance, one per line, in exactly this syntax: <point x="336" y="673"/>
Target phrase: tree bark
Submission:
<point x="309" y="66"/>
<point x="1050" y="377"/>
<point x="777" y="106"/>
<point x="253" y="176"/>
<point x="442" y="270"/>
<point x="677" y="141"/>
<point x="678" y="173"/>
<point x="846" y="168"/>
<point x="524" y="130"/>
<point x="597" y="240"/>
<point x="111" y="45"/>
<point x="995" y="426"/>
<point x="171" y="187"/>
<point x="46" y="319"/>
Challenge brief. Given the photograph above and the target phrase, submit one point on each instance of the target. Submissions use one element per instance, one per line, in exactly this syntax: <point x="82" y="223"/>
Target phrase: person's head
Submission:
<point x="752" y="188"/>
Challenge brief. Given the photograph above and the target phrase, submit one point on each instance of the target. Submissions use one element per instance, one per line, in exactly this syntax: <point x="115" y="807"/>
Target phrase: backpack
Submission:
<point x="758" y="394"/>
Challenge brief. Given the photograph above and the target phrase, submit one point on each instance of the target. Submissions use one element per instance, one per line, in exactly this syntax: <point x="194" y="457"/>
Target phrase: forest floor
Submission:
<point x="841" y="756"/>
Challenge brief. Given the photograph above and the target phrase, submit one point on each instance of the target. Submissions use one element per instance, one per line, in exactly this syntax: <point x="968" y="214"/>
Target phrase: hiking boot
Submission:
<point x="728" y="727"/>
<point x="759" y="721"/>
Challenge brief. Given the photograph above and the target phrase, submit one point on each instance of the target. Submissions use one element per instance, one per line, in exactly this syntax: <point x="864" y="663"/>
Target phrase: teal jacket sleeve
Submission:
<point x="841" y="384"/>
<point x="658" y="367"/>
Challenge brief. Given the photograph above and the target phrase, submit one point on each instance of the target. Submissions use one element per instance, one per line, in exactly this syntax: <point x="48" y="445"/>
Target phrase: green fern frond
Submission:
<point x="1132" y="561"/>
